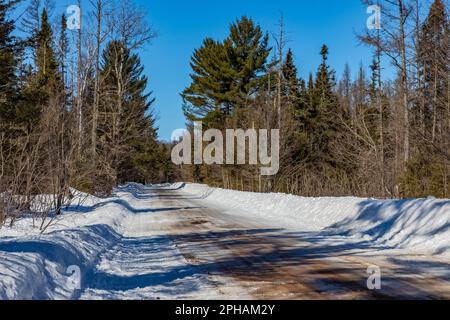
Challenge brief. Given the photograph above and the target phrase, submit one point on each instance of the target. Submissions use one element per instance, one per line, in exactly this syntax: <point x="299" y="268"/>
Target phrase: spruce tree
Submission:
<point x="306" y="115"/>
<point x="10" y="51"/>
<point x="46" y="64"/>
<point x="294" y="101"/>
<point x="310" y="94"/>
<point x="42" y="82"/>
<point x="325" y="110"/>
<point x="291" y="84"/>
<point x="324" y="83"/>
<point x="127" y="132"/>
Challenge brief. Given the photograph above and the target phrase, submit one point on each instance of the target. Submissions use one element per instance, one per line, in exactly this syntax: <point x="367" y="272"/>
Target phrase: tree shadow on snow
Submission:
<point x="277" y="258"/>
<point x="396" y="219"/>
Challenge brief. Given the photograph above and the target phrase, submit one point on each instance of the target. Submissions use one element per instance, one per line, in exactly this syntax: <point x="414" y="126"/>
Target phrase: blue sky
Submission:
<point x="182" y="26"/>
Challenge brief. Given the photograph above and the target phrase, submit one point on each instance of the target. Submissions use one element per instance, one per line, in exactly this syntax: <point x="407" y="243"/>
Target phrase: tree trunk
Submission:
<point x="97" y="83"/>
<point x="404" y="76"/>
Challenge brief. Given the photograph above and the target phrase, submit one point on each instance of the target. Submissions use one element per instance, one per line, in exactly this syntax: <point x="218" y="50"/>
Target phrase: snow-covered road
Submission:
<point x="181" y="246"/>
<point x="165" y="243"/>
<point x="146" y="262"/>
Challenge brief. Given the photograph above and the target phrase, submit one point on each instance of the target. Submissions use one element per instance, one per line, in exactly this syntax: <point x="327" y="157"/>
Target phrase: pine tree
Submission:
<point x="226" y="74"/>
<point x="249" y="53"/>
<point x="212" y="80"/>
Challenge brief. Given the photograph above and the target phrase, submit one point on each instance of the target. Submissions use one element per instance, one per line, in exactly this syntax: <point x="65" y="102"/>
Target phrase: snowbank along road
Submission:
<point x="177" y="242"/>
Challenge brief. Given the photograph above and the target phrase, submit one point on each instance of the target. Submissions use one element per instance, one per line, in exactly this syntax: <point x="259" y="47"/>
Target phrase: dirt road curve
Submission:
<point x="271" y="263"/>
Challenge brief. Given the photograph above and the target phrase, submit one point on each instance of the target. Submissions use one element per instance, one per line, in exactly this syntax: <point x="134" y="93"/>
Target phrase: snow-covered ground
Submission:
<point x="111" y="248"/>
<point x="121" y="247"/>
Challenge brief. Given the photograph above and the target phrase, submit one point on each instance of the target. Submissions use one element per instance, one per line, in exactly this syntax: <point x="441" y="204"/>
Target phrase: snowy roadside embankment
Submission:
<point x="419" y="225"/>
<point x="35" y="266"/>
<point x="119" y="246"/>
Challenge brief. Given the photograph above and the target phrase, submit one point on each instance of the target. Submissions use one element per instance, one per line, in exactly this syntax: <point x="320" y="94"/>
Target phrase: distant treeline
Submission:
<point x="361" y="136"/>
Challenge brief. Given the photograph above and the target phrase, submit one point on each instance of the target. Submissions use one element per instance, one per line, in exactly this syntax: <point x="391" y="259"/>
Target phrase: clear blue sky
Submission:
<point x="182" y="25"/>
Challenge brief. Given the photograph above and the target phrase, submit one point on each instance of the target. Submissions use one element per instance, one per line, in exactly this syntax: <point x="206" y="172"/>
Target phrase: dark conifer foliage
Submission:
<point x="226" y="74"/>
<point x="10" y="51"/>
<point x="127" y="127"/>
